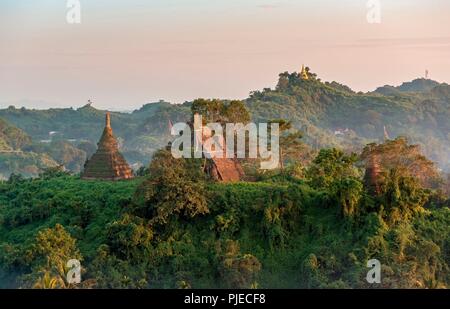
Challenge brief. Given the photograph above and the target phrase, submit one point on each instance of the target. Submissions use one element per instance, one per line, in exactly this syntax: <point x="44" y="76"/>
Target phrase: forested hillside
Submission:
<point x="328" y="114"/>
<point x="313" y="222"/>
<point x="13" y="158"/>
<point x="331" y="114"/>
<point x="174" y="228"/>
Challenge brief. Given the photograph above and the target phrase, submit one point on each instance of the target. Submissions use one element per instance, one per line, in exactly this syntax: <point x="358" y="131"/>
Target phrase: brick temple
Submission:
<point x="107" y="162"/>
<point x="221" y="169"/>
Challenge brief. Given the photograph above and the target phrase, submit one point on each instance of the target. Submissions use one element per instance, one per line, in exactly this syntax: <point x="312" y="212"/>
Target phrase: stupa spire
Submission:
<point x="304" y="73"/>
<point x="108" y="120"/>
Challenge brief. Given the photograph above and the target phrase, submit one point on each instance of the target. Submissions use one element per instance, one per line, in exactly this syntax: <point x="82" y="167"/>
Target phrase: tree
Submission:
<point x="210" y="110"/>
<point x="173" y="188"/>
<point x="15" y="178"/>
<point x="48" y="257"/>
<point x="310" y="74"/>
<point x="219" y="111"/>
<point x="290" y="140"/>
<point x="348" y="193"/>
<point x="236" y="112"/>
<point x="129" y="237"/>
<point x="398" y="154"/>
<point x="238" y="270"/>
<point x="402" y="196"/>
<point x="53" y="172"/>
<point x="331" y="165"/>
<point x="283" y="82"/>
<point x="141" y="171"/>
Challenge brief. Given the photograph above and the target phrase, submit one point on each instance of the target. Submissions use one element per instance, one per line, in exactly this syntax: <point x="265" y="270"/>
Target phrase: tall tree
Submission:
<point x="174" y="188"/>
<point x="290" y="140"/>
<point x="220" y="111"/>
<point x="331" y="165"/>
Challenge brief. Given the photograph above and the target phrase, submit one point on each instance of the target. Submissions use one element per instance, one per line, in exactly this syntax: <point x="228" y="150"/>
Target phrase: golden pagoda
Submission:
<point x="304" y="73"/>
<point x="107" y="162"/>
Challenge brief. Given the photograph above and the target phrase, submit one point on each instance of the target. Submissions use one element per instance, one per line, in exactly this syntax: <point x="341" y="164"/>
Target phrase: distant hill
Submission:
<point x="11" y="137"/>
<point x="417" y="85"/>
<point x="14" y="158"/>
<point x="333" y="115"/>
<point x="329" y="114"/>
<point x="68" y="135"/>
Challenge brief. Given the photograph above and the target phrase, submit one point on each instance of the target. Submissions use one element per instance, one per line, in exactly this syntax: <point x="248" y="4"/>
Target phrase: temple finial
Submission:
<point x="108" y="120"/>
<point x="304" y="73"/>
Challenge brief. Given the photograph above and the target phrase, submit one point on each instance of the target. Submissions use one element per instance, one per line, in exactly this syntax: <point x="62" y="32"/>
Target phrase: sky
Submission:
<point x="124" y="54"/>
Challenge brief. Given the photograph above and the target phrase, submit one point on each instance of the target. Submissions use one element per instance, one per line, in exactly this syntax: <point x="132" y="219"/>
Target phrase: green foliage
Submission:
<point x="291" y="147"/>
<point x="237" y="270"/>
<point x="305" y="226"/>
<point x="419" y="110"/>
<point x="27" y="164"/>
<point x="329" y="166"/>
<point x="319" y="109"/>
<point x="129" y="237"/>
<point x="399" y="154"/>
<point x="48" y="255"/>
<point x="12" y="138"/>
<point x="53" y="172"/>
<point x="173" y="188"/>
<point x="53" y="247"/>
<point x="221" y="111"/>
<point x="277" y="233"/>
<point x="403" y="197"/>
<point x="348" y="193"/>
<point x="65" y="154"/>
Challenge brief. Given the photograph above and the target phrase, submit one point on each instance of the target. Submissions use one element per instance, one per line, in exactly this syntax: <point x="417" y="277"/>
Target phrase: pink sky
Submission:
<point x="122" y="56"/>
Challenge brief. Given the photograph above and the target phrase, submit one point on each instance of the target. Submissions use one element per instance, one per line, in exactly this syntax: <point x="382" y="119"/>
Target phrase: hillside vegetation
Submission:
<point x="328" y="114"/>
<point x="12" y="157"/>
<point x="174" y="228"/>
<point x="340" y="196"/>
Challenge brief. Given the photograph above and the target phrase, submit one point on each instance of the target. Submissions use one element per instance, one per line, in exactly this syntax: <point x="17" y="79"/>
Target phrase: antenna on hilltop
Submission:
<point x="89" y="102"/>
<point x="427" y="73"/>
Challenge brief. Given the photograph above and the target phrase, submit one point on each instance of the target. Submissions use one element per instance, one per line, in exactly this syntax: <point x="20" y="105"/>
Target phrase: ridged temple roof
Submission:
<point x="228" y="170"/>
<point x="107" y="163"/>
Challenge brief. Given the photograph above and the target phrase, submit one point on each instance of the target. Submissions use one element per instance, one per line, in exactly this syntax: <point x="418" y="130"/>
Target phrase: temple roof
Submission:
<point x="228" y="170"/>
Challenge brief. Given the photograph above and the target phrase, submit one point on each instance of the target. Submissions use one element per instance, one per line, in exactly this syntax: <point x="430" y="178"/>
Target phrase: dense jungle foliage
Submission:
<point x="174" y="228"/>
<point x="338" y="198"/>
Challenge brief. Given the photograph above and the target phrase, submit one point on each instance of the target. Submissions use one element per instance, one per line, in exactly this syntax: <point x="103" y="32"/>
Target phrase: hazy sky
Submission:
<point x="127" y="53"/>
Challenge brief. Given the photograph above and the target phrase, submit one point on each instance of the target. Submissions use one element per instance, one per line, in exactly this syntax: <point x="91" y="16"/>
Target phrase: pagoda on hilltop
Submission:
<point x="304" y="73"/>
<point x="107" y="162"/>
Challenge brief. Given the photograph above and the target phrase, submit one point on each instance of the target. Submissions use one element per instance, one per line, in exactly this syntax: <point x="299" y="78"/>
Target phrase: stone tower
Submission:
<point x="107" y="162"/>
<point x="219" y="167"/>
<point x="372" y="177"/>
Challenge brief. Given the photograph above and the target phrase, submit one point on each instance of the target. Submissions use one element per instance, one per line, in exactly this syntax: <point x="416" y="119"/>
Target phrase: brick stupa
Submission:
<point x="107" y="163"/>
